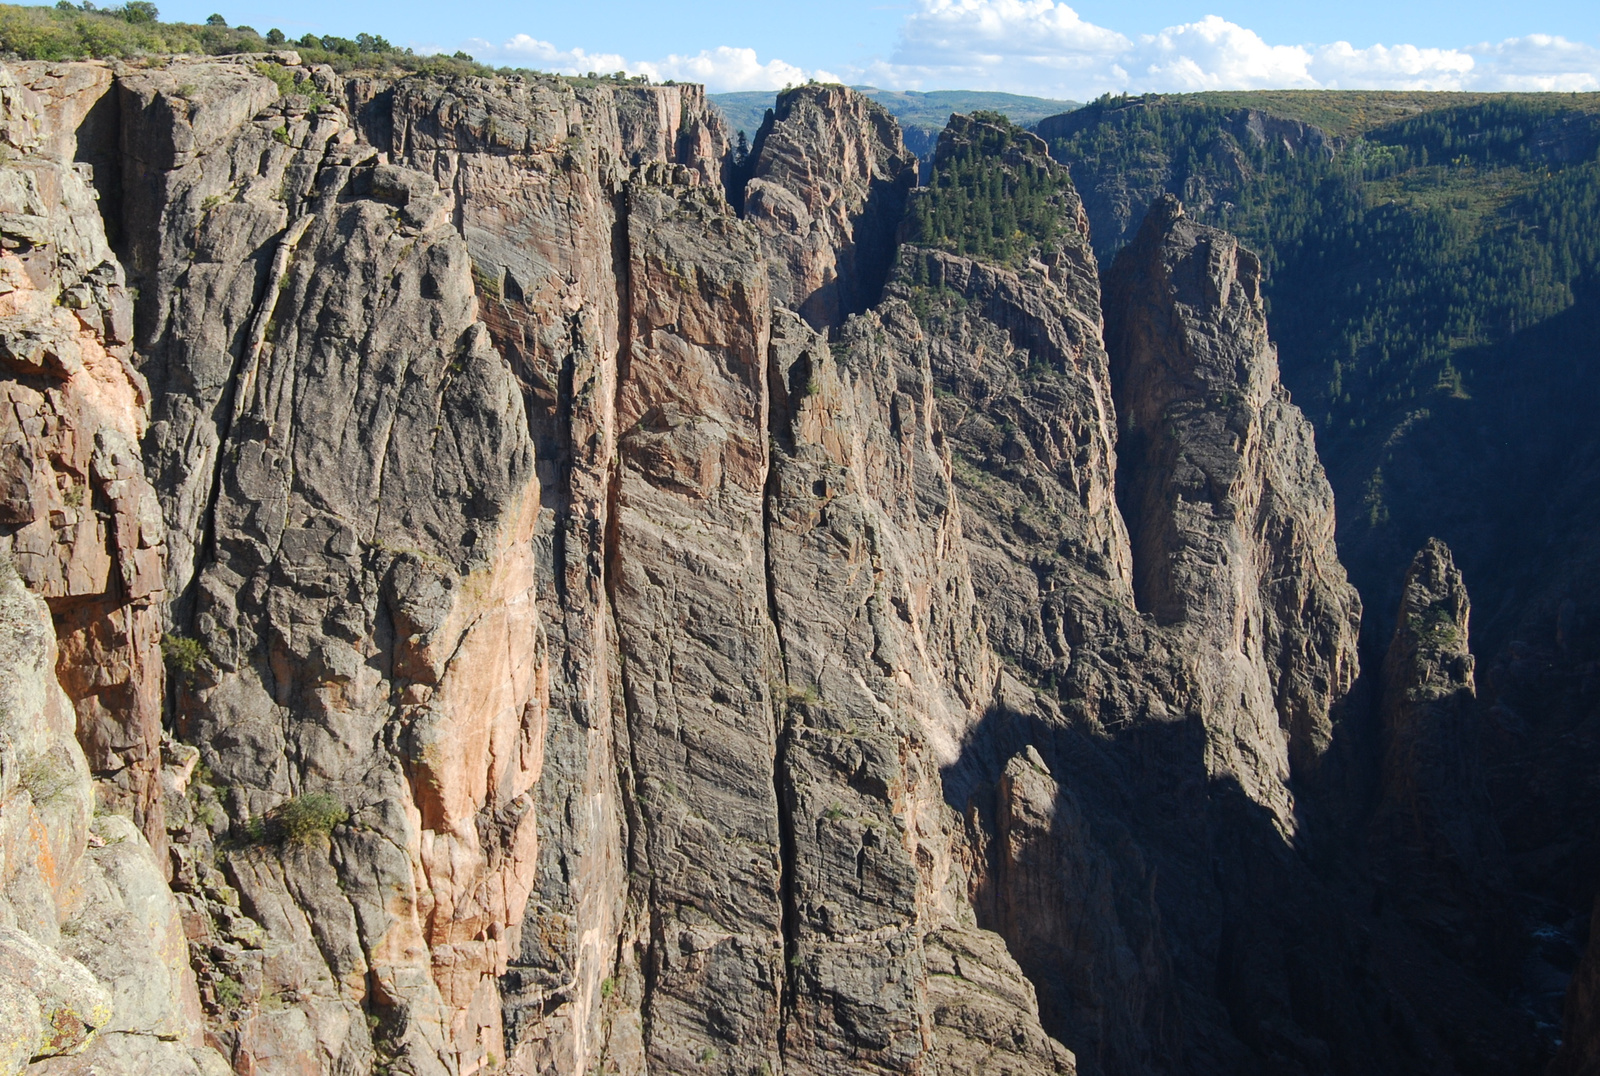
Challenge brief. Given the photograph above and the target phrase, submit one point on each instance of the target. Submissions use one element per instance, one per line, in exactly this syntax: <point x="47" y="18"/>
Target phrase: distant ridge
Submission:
<point x="922" y="115"/>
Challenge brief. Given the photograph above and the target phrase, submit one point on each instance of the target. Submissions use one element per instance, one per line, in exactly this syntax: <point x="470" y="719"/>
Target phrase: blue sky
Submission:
<point x="1028" y="46"/>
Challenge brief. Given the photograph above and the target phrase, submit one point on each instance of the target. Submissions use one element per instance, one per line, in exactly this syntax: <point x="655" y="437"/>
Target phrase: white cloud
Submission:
<point x="1022" y="46"/>
<point x="1045" y="48"/>
<point x="722" y="69"/>
<point x="1537" y="62"/>
<point x="727" y="69"/>
<point x="1214" y="54"/>
<point x="526" y="51"/>
<point x="958" y="30"/>
<point x="1342" y="66"/>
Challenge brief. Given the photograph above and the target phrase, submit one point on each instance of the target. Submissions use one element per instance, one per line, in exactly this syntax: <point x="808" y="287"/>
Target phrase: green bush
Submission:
<point x="306" y="819"/>
<point x="184" y="656"/>
<point x="66" y="32"/>
<point x="230" y="992"/>
<point x="47" y="778"/>
<point x="69" y="32"/>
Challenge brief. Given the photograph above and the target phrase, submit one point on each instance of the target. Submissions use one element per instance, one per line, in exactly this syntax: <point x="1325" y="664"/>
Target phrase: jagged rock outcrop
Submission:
<point x="94" y="968"/>
<point x="1022" y="372"/>
<point x="1027" y="401"/>
<point x="829" y="175"/>
<point x="1229" y="513"/>
<point x="1437" y="853"/>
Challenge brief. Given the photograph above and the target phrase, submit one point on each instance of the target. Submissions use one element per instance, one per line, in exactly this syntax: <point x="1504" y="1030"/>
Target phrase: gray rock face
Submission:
<point x="827" y="188"/>
<point x="1230" y="514"/>
<point x="686" y="582"/>
<point x="347" y="471"/>
<point x="1438" y="853"/>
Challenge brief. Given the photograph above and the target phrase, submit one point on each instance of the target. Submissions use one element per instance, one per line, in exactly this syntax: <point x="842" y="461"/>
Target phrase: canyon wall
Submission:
<point x="625" y="612"/>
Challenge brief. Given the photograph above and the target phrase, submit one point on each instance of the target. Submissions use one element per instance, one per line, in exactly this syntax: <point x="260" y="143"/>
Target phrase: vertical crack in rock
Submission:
<point x="244" y="379"/>
<point x="690" y="599"/>
<point x="240" y="383"/>
<point x="779" y="437"/>
<point x="886" y="666"/>
<point x="642" y="896"/>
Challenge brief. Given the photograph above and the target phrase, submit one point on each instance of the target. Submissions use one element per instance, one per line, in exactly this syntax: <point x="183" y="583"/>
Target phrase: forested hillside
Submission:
<point x="989" y="194"/>
<point x="1410" y="261"/>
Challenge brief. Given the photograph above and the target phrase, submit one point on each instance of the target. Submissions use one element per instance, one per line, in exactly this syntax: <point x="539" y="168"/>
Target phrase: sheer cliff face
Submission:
<point x="94" y="969"/>
<point x="521" y="742"/>
<point x="1229" y="512"/>
<point x="625" y="634"/>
